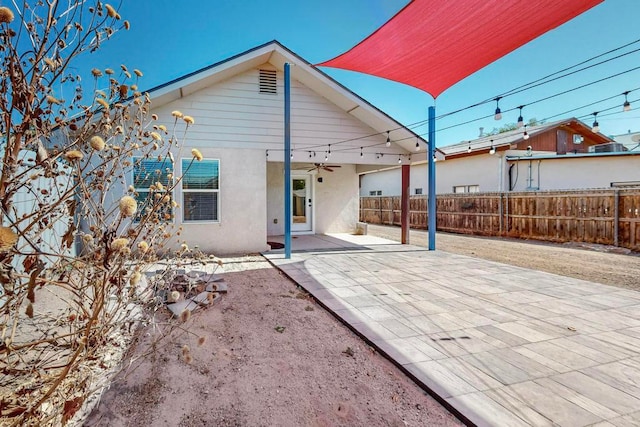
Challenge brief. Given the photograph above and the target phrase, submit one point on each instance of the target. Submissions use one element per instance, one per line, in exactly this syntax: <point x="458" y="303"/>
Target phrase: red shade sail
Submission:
<point x="433" y="44"/>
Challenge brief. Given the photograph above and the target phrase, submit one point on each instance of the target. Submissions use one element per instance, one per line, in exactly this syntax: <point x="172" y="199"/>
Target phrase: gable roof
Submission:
<point x="504" y="140"/>
<point x="277" y="55"/>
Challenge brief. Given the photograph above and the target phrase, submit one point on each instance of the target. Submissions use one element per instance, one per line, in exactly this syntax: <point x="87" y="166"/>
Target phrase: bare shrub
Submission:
<point x="75" y="237"/>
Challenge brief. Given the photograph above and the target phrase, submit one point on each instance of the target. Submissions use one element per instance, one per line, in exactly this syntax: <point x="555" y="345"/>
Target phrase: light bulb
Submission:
<point x="469" y="149"/>
<point x="526" y="135"/>
<point x="520" y="119"/>
<point x="399" y="160"/>
<point x="498" y="114"/>
<point x="417" y="146"/>
<point x="492" y="150"/>
<point x="388" y="143"/>
<point x="596" y="127"/>
<point x="627" y="105"/>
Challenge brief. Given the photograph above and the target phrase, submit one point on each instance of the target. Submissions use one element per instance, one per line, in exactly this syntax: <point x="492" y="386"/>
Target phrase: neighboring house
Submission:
<point x="561" y="155"/>
<point x="232" y="200"/>
<point x="631" y="140"/>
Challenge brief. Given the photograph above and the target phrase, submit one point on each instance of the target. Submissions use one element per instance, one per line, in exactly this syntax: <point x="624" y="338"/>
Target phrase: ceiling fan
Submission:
<point x="318" y="166"/>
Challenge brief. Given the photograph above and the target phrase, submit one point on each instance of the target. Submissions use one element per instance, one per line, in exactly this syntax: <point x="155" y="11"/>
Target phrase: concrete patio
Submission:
<point x="500" y="345"/>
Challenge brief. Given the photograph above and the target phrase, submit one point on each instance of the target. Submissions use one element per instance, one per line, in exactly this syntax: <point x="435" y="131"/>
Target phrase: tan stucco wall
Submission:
<point x="335" y="199"/>
<point x="243" y="200"/>
<point x="275" y="199"/>
<point x="491" y="173"/>
<point x="577" y="173"/>
<point x="482" y="170"/>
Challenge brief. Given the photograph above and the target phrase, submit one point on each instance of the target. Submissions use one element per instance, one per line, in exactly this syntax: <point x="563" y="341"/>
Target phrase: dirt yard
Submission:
<point x="271" y="357"/>
<point x="597" y="263"/>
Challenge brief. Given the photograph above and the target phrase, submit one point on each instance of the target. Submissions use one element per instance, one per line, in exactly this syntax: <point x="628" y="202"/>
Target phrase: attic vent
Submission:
<point x="268" y="81"/>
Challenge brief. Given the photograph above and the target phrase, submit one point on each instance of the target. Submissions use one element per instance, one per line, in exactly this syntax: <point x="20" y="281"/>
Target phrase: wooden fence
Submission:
<point x="608" y="216"/>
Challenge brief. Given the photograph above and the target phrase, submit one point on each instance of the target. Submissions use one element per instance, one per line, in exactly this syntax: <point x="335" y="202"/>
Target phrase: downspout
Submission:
<point x="511" y="177"/>
<point x="539" y="163"/>
<point x="501" y="173"/>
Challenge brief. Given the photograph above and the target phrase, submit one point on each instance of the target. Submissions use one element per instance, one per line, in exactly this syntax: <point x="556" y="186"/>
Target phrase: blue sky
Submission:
<point x="169" y="39"/>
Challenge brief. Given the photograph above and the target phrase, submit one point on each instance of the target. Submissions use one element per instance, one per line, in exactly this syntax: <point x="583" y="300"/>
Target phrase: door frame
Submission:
<point x="297" y="174"/>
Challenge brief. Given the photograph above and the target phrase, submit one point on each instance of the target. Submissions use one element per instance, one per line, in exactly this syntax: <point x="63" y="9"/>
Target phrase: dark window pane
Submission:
<point x="200" y="206"/>
<point x="163" y="210"/>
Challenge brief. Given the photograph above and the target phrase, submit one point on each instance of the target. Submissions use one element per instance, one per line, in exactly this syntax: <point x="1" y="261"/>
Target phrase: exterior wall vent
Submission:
<point x="268" y="81"/>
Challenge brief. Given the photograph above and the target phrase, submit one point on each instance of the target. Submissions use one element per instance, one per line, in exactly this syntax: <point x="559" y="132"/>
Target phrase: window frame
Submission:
<point x="138" y="190"/>
<point x="198" y="190"/>
<point x="466" y="189"/>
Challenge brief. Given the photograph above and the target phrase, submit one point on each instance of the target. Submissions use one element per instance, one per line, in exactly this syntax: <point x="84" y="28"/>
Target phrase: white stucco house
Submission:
<point x="234" y="199"/>
<point x="561" y="155"/>
<point x="631" y="140"/>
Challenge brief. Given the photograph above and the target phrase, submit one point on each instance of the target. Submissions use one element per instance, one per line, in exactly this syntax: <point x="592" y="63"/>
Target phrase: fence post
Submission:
<point x="500" y="211"/>
<point x="616" y="217"/>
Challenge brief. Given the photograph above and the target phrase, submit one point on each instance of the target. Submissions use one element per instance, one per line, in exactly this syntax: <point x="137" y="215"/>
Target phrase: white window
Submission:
<point x="466" y="189"/>
<point x="418" y="191"/>
<point x="147" y="173"/>
<point x="201" y="189"/>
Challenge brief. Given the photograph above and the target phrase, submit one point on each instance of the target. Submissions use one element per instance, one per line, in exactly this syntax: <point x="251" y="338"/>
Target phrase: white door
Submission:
<point x="301" y="203"/>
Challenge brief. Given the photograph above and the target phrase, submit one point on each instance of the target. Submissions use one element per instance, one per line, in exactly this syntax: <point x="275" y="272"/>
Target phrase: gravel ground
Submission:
<point x="271" y="357"/>
<point x="597" y="263"/>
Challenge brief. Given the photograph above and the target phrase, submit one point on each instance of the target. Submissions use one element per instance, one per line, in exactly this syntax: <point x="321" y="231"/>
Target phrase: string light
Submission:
<point x="469" y="148"/>
<point x="326" y="156"/>
<point x="596" y="126"/>
<point x="388" y="143"/>
<point x="309" y="154"/>
<point x="328" y="152"/>
<point x="435" y="159"/>
<point x="492" y="150"/>
<point x="520" y="119"/>
<point x="417" y="144"/>
<point x="361" y="155"/>
<point x="627" y="105"/>
<point x="267" y="153"/>
<point x="291" y="155"/>
<point x="399" y="159"/>
<point x="498" y="114"/>
<point x="525" y="136"/>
